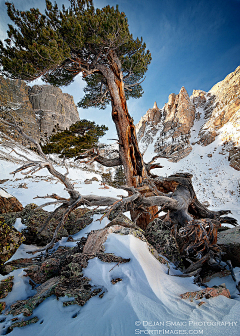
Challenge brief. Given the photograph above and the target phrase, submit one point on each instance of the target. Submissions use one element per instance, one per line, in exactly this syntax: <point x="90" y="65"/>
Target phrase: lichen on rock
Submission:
<point x="10" y="239"/>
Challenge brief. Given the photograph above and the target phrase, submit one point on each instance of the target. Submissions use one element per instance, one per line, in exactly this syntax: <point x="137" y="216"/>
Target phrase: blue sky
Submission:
<point x="193" y="44"/>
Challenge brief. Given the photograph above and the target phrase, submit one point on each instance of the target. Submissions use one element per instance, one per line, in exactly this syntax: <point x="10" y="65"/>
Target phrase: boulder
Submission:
<point x="9" y="203"/>
<point x="207" y="293"/>
<point x="10" y="239"/>
<point x="6" y="286"/>
<point x="35" y="219"/>
<point x="159" y="235"/>
<point x="229" y="241"/>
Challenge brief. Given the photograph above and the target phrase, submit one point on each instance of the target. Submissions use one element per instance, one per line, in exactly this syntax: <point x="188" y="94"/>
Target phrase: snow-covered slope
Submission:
<point x="147" y="299"/>
<point x="169" y="129"/>
<point x="215" y="182"/>
<point x="206" y="143"/>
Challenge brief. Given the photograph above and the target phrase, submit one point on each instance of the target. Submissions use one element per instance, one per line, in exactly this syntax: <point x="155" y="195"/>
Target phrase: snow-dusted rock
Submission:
<point x="9" y="203"/>
<point x="170" y="130"/>
<point x="229" y="241"/>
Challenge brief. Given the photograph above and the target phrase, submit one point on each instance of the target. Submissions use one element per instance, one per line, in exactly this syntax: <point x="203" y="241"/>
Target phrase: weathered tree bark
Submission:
<point x="130" y="155"/>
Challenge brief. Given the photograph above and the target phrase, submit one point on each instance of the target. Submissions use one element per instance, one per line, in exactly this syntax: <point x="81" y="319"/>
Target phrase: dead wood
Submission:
<point x="93" y="155"/>
<point x="194" y="226"/>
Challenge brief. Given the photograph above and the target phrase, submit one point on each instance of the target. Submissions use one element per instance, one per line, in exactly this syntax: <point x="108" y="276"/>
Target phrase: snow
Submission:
<point x="4" y="194"/>
<point x="147" y="300"/>
<point x="19" y="225"/>
<point x="213" y="179"/>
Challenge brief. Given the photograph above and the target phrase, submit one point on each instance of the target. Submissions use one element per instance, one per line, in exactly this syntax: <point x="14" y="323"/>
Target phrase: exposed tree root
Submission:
<point x="194" y="226"/>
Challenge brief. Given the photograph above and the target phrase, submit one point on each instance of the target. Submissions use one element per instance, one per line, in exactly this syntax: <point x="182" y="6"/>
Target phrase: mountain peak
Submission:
<point x="216" y="113"/>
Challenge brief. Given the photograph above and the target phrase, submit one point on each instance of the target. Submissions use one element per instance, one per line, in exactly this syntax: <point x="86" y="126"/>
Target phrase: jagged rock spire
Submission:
<point x="155" y="105"/>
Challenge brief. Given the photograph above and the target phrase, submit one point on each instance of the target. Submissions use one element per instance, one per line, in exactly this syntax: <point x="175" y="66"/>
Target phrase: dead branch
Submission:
<point x="93" y="155"/>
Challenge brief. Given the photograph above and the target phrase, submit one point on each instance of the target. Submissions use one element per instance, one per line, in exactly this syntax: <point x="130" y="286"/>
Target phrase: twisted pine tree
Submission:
<point x="62" y="43"/>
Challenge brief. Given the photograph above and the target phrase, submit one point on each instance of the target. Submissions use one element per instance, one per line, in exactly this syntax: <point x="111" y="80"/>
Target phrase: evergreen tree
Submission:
<point x="82" y="135"/>
<point x="119" y="177"/>
<point x="61" y="43"/>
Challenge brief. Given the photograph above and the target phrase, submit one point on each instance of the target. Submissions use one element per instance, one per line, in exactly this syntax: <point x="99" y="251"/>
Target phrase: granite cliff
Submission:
<point x="40" y="110"/>
<point x="217" y="113"/>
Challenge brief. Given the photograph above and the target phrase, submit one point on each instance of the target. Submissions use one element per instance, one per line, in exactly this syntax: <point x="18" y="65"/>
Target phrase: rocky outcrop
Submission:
<point x="10" y="239"/>
<point x="34" y="220"/>
<point x="14" y="96"/>
<point x="234" y="157"/>
<point x="229" y="241"/>
<point x="169" y="127"/>
<point x="222" y="109"/>
<point x="159" y="235"/>
<point x="54" y="110"/>
<point x="40" y="110"/>
<point x="222" y="114"/>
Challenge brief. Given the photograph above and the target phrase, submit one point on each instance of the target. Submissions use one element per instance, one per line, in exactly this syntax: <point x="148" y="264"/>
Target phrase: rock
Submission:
<point x="116" y="280"/>
<point x="234" y="158"/>
<point x="168" y="129"/>
<point x="23" y="185"/>
<point x="169" y="126"/>
<point x="6" y="286"/>
<point x="2" y="306"/>
<point x="87" y="181"/>
<point x="229" y="241"/>
<point x="61" y="274"/>
<point x="15" y="94"/>
<point x="35" y="219"/>
<point x="213" y="275"/>
<point x="41" y="109"/>
<point x="222" y="109"/>
<point x="54" y="109"/>
<point x="9" y="203"/>
<point x="10" y="239"/>
<point x="22" y="323"/>
<point x="3" y="181"/>
<point x="207" y="293"/>
<point x="159" y="235"/>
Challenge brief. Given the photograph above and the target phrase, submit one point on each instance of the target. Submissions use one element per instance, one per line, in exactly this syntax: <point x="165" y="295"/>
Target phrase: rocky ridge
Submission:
<point x="40" y="110"/>
<point x="169" y="129"/>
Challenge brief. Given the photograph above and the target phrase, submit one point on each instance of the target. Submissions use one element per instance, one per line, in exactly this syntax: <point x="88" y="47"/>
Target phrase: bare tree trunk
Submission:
<point x="130" y="155"/>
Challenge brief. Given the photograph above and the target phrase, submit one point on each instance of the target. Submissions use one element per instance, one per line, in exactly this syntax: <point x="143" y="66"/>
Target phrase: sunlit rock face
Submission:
<point x="40" y="110"/>
<point x="170" y="129"/>
<point x="222" y="113"/>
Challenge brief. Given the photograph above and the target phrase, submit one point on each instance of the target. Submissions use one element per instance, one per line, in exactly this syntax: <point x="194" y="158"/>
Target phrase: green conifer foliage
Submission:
<point x="119" y="177"/>
<point x="61" y="43"/>
<point x="82" y="135"/>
